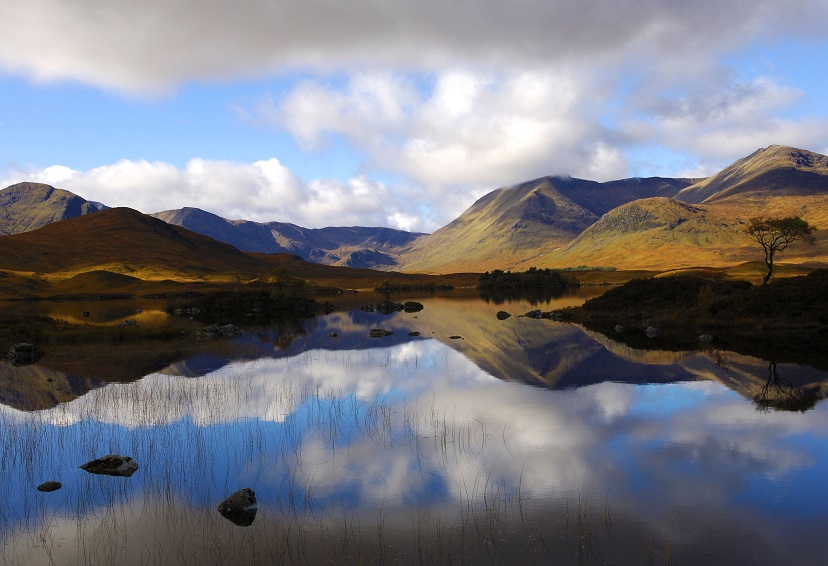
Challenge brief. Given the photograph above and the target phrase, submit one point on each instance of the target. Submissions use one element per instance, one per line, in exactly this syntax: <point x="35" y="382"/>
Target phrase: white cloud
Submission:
<point x="719" y="123"/>
<point x="464" y="133"/>
<point x="261" y="191"/>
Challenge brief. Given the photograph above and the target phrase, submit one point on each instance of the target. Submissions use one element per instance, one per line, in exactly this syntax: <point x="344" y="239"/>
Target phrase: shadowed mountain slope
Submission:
<point x="357" y="246"/>
<point x="28" y="206"/>
<point x="516" y="224"/>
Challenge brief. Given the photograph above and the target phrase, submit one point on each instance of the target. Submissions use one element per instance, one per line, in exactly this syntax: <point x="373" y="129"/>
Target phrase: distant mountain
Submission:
<point x="28" y="206"/>
<point x="515" y="224"/>
<point x="348" y="246"/>
<point x="120" y="250"/>
<point x="770" y="172"/>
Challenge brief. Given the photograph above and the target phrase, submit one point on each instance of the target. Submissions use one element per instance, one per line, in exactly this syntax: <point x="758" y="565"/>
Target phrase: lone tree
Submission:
<point x="775" y="234"/>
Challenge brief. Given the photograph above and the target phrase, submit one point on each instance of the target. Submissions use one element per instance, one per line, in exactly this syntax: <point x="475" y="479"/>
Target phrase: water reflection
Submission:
<point x="325" y="436"/>
<point x="420" y="449"/>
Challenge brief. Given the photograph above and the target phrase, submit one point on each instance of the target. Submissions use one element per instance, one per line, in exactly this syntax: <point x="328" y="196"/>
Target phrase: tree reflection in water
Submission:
<point x="780" y="394"/>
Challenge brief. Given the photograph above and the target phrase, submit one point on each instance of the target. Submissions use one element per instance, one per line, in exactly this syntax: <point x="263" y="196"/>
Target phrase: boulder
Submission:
<point x="412" y="306"/>
<point x="217" y="331"/>
<point x="652" y="332"/>
<point x="387" y="307"/>
<point x="414" y="333"/>
<point x="112" y="465"/>
<point x="240" y="507"/>
<point x="379" y="333"/>
<point x="23" y="354"/>
<point x="455" y="337"/>
<point x="49" y="486"/>
<point x="502" y="315"/>
<point x="619" y="329"/>
<point x="705" y="338"/>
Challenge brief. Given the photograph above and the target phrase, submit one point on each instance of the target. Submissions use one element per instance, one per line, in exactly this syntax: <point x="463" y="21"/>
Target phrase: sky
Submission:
<point x="393" y="112"/>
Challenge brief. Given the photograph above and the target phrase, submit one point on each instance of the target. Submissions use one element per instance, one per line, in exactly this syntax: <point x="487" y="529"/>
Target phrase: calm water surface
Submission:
<point x="514" y="441"/>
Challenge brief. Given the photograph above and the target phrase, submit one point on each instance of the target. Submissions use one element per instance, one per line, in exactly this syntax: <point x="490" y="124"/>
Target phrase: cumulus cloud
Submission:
<point x="723" y="123"/>
<point x="261" y="191"/>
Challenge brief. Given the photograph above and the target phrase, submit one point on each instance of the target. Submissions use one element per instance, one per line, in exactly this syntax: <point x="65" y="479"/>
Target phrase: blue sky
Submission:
<point x="397" y="114"/>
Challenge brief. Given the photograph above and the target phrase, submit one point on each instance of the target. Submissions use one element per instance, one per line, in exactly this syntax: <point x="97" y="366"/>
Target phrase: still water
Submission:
<point x="478" y="441"/>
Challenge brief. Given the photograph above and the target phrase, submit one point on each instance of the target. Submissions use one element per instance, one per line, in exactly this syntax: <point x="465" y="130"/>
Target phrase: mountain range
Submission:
<point x="651" y="223"/>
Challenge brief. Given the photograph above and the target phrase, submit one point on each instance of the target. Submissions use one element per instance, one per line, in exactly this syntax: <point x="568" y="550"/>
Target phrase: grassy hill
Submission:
<point x="514" y="225"/>
<point x="28" y="206"/>
<point x="774" y="171"/>
<point x="122" y="251"/>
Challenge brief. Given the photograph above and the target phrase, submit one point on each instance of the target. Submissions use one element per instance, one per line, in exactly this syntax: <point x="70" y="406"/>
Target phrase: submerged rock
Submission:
<point x="23" y="354"/>
<point x="652" y="332"/>
<point x="112" y="465"/>
<point x="49" y="486"/>
<point x="240" y="507"/>
<point x="412" y="306"/>
<point x="503" y="315"/>
<point x="379" y="333"/>
<point x="217" y="331"/>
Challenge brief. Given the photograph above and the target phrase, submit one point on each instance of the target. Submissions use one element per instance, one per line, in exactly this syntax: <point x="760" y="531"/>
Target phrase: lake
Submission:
<point x="478" y="441"/>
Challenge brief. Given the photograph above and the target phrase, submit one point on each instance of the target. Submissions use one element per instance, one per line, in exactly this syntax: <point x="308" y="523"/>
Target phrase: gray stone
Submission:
<point x="619" y="329"/>
<point x="240" y="507"/>
<point x="705" y="338"/>
<point x="652" y="332"/>
<point x="112" y="465"/>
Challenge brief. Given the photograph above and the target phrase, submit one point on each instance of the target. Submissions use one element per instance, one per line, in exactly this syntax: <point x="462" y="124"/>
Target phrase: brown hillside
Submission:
<point x="515" y="224"/>
<point x="774" y="171"/>
<point x="663" y="234"/>
<point x="121" y="240"/>
<point x="28" y="206"/>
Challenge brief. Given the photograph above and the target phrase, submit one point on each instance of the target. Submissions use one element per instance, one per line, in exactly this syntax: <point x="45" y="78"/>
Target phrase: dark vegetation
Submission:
<point x="532" y="278"/>
<point x="387" y="287"/>
<point x="794" y="302"/>
<point x="785" y="320"/>
<point x="250" y="306"/>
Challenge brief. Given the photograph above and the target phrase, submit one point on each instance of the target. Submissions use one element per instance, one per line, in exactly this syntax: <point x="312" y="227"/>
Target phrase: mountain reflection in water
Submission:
<point x="427" y="449"/>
